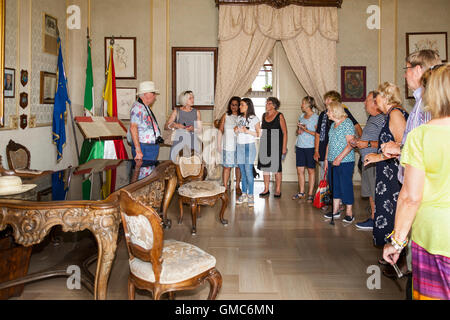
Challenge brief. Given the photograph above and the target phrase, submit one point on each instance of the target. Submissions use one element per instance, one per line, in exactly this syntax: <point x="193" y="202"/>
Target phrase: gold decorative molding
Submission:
<point x="283" y="3"/>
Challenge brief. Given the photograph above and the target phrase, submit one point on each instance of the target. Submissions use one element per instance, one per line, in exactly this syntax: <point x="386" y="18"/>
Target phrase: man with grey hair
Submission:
<point x="144" y="129"/>
<point x="416" y="64"/>
<point x="368" y="143"/>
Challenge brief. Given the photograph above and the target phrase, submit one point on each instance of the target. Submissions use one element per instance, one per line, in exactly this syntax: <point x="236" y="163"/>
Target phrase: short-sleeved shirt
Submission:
<point x="306" y="140"/>
<point x="148" y="129"/>
<point x="245" y="138"/>
<point x="371" y="132"/>
<point x="337" y="141"/>
<point x="323" y="127"/>
<point x="427" y="149"/>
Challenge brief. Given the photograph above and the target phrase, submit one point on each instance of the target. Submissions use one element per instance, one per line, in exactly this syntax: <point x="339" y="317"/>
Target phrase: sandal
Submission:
<point x="310" y="198"/>
<point x="299" y="195"/>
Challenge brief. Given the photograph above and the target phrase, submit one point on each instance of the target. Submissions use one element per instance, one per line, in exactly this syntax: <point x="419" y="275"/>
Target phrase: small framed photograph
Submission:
<point x="125" y="99"/>
<point x="353" y="84"/>
<point x="124" y="56"/>
<point x="48" y="88"/>
<point x="50" y="34"/>
<point x="10" y="81"/>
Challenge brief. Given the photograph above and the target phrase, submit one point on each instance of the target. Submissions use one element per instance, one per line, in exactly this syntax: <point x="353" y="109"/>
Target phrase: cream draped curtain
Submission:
<point x="247" y="34"/>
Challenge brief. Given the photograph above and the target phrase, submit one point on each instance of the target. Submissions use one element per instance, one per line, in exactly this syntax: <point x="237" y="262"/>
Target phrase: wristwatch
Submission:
<point x="369" y="145"/>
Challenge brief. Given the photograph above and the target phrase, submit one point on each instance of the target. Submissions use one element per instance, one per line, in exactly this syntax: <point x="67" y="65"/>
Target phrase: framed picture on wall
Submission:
<point x="437" y="41"/>
<point x="48" y="88"/>
<point x="416" y="41"/>
<point x="353" y="84"/>
<point x="50" y="34"/>
<point x="9" y="85"/>
<point x="125" y="99"/>
<point x="124" y="56"/>
<point x="195" y="69"/>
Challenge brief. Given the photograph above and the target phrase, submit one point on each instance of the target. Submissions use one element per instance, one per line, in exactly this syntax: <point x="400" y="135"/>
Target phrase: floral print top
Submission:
<point x="148" y="129"/>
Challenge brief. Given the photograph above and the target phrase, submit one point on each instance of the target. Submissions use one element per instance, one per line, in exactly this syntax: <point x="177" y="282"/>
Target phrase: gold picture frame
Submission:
<point x="50" y="34"/>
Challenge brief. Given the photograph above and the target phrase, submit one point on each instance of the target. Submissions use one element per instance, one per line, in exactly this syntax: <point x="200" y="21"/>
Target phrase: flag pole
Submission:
<point x="70" y="107"/>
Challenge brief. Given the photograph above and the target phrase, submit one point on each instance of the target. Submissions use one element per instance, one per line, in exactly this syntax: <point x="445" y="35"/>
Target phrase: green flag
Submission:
<point x="89" y="90"/>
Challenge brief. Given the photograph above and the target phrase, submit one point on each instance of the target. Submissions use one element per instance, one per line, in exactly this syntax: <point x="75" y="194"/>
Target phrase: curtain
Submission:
<point x="247" y="34"/>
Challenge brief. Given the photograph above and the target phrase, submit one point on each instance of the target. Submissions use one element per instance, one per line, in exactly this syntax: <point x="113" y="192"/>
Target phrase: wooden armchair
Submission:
<point x="195" y="191"/>
<point x="19" y="160"/>
<point x="158" y="265"/>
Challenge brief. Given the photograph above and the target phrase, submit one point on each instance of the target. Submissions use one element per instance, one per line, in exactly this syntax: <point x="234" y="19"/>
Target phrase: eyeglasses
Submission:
<point x="406" y="68"/>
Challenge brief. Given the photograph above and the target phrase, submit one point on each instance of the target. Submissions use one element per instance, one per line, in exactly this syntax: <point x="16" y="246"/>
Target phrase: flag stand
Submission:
<point x="70" y="110"/>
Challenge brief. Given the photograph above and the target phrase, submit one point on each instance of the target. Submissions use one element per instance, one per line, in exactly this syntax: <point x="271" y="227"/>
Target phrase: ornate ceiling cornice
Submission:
<point x="283" y="3"/>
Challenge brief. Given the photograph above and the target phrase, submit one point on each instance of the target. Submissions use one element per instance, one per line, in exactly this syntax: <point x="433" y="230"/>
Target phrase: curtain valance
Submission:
<point x="278" y="24"/>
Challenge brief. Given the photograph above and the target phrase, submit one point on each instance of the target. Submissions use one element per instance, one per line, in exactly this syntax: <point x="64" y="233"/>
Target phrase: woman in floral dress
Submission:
<point x="387" y="184"/>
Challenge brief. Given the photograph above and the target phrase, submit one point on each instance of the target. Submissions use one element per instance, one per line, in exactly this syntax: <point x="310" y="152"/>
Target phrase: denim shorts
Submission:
<point x="229" y="159"/>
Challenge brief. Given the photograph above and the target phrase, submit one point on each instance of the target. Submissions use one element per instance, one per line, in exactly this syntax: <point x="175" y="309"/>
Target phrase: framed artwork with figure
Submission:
<point x="124" y="56"/>
<point x="353" y="84"/>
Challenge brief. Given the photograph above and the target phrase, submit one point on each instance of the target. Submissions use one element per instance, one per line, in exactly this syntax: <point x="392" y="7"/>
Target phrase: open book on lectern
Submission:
<point x="101" y="128"/>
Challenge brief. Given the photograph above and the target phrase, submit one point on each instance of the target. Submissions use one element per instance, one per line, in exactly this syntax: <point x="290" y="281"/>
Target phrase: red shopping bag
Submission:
<point x="322" y="193"/>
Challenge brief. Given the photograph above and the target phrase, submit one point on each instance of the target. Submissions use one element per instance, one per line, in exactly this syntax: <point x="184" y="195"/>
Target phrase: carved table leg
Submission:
<point x="215" y="280"/>
<point x="224" y="198"/>
<point x="171" y="185"/>
<point x="194" y="216"/>
<point x="107" y="244"/>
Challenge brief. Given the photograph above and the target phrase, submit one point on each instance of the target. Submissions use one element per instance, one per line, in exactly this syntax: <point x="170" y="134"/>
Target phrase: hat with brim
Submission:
<point x="13" y="185"/>
<point x="147" y="86"/>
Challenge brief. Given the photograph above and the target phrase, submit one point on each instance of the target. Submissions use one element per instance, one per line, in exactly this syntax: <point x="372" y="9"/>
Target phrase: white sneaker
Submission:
<point x="251" y="201"/>
<point x="243" y="198"/>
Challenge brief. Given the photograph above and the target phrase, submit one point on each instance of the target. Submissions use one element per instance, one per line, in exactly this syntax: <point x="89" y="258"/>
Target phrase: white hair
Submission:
<point x="184" y="96"/>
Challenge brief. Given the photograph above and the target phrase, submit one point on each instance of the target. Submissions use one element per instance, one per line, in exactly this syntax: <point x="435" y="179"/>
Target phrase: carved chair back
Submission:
<point x="18" y="156"/>
<point x="190" y="168"/>
<point x="143" y="232"/>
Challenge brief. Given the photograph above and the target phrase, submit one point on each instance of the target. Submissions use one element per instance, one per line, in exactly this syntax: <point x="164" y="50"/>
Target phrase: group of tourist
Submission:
<point x="405" y="162"/>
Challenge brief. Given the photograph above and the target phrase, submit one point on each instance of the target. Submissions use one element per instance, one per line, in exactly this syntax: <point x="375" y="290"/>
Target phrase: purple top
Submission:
<point x="416" y="118"/>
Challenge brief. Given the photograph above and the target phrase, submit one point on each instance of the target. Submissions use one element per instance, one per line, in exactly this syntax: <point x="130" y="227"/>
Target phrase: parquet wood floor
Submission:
<point x="280" y="249"/>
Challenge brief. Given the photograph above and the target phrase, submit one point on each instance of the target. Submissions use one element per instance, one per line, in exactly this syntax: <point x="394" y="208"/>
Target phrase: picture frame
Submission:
<point x="47" y="88"/>
<point x="124" y="57"/>
<point x="126" y="96"/>
<point x="9" y="85"/>
<point x="416" y="41"/>
<point x="50" y="34"/>
<point x="195" y="69"/>
<point x="353" y="83"/>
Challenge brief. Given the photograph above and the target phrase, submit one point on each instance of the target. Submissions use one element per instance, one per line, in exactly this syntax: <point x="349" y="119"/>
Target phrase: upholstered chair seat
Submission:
<point x="180" y="261"/>
<point x="158" y="265"/>
<point x="195" y="191"/>
<point x="200" y="189"/>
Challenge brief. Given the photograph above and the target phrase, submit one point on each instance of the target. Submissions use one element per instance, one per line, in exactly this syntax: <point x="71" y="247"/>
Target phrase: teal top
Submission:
<point x="337" y="141"/>
<point x="306" y="140"/>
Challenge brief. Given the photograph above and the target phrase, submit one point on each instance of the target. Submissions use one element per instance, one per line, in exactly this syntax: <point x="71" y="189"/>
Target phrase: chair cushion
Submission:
<point x="140" y="231"/>
<point x="199" y="189"/>
<point x="181" y="261"/>
<point x="190" y="166"/>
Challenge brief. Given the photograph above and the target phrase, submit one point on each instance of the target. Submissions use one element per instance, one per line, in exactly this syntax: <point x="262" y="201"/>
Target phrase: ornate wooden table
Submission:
<point x="31" y="220"/>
